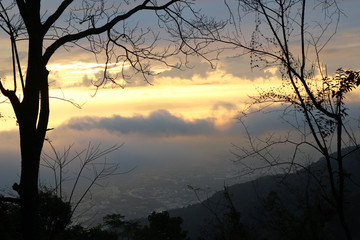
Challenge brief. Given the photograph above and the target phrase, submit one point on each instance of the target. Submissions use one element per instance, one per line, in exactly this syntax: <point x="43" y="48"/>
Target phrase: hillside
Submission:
<point x="293" y="190"/>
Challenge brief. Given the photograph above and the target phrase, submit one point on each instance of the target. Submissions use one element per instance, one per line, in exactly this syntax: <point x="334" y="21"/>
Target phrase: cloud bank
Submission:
<point x="158" y="123"/>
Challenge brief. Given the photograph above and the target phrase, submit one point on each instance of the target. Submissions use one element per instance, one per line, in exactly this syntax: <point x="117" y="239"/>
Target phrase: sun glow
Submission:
<point x="217" y="95"/>
<point x="83" y="67"/>
<point x="72" y="74"/>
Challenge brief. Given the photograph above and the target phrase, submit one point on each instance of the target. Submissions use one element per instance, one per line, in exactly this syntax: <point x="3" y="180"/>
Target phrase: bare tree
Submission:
<point x="284" y="36"/>
<point x="99" y="27"/>
<point x="93" y="170"/>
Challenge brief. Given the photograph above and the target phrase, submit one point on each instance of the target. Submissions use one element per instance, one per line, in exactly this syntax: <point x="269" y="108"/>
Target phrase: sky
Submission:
<point x="178" y="131"/>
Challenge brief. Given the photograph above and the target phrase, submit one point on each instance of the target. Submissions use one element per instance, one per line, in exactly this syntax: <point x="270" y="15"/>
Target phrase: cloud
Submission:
<point x="226" y="105"/>
<point x="87" y="81"/>
<point x="199" y="69"/>
<point x="240" y="67"/>
<point x="278" y="120"/>
<point x="158" y="123"/>
<point x="90" y="74"/>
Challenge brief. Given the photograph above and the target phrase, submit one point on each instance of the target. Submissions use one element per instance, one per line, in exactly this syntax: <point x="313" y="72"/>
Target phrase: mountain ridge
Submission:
<point x="248" y="199"/>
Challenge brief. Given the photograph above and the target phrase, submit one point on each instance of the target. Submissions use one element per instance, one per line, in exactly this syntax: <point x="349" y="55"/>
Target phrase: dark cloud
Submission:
<point x="158" y="123"/>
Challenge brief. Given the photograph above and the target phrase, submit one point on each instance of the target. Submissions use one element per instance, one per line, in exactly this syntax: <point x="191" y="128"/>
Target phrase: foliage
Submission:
<point x="55" y="214"/>
<point x="304" y="224"/>
<point x="9" y="221"/>
<point x="55" y="224"/>
<point x="163" y="227"/>
<point x="114" y="221"/>
<point x="78" y="232"/>
<point x="234" y="228"/>
<point x="225" y="221"/>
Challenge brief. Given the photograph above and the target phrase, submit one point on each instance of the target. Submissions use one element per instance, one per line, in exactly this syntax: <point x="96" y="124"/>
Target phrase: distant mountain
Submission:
<point x="202" y="219"/>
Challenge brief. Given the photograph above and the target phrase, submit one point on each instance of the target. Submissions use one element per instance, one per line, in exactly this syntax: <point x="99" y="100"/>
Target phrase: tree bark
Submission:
<point x="32" y="116"/>
<point x="32" y="135"/>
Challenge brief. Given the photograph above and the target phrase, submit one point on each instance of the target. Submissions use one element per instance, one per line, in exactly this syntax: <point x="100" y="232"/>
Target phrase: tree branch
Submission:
<point x="55" y="16"/>
<point x="98" y="30"/>
<point x="12" y="97"/>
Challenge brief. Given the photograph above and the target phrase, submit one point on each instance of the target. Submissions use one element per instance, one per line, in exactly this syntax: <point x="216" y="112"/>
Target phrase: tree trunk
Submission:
<point x="28" y="188"/>
<point x="32" y="115"/>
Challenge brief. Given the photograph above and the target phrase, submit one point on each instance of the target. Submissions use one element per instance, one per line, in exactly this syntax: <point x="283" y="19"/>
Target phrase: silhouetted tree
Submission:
<point x="227" y="224"/>
<point x="92" y="169"/>
<point x="10" y="221"/>
<point x="78" y="232"/>
<point x="54" y="217"/>
<point x="306" y="223"/>
<point x="286" y="36"/>
<point x="116" y="223"/>
<point x="55" y="214"/>
<point x="163" y="227"/>
<point x="323" y="129"/>
<point x="100" y="23"/>
<point x="160" y="227"/>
